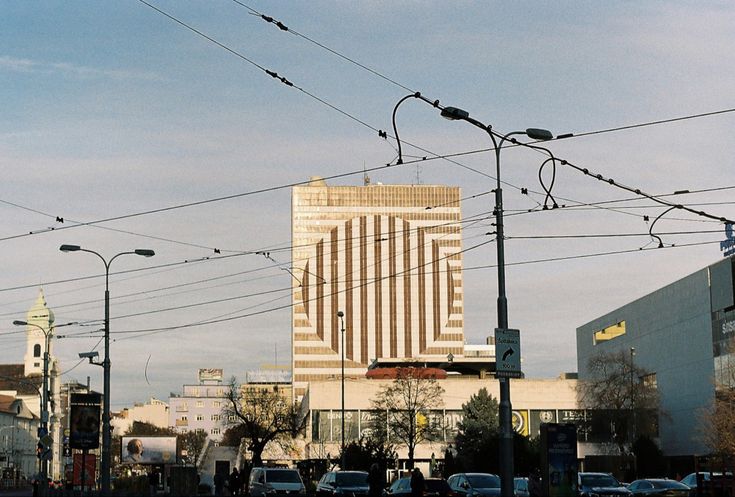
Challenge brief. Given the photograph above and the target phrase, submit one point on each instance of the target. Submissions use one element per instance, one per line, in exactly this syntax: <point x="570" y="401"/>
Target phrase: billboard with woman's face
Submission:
<point x="148" y="450"/>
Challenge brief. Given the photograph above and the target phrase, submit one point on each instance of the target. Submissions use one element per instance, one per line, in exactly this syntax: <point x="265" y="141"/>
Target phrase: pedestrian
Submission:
<point x="376" y="481"/>
<point x="153" y="482"/>
<point x="417" y="483"/>
<point x="219" y="483"/>
<point x="233" y="482"/>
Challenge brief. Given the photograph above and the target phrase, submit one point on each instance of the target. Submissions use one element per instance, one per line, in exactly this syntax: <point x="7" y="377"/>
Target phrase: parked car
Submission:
<point x="520" y="487"/>
<point x="433" y="487"/>
<point x="271" y="481"/>
<point x="659" y="486"/>
<point x="690" y="480"/>
<point x="709" y="480"/>
<point x="595" y="484"/>
<point x="343" y="483"/>
<point x="475" y="484"/>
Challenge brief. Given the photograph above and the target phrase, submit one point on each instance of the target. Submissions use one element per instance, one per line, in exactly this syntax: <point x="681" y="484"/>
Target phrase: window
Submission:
<point x="200" y="417"/>
<point x="37" y="350"/>
<point x="200" y="403"/>
<point x="609" y="333"/>
<point x="216" y="403"/>
<point x="214" y="431"/>
<point x="215" y="417"/>
<point x="184" y="418"/>
<point x="231" y="417"/>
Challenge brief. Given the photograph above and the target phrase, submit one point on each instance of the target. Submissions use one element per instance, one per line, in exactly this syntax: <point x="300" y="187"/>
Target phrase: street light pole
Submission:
<point x="341" y="316"/>
<point x="105" y="462"/>
<point x="505" y="407"/>
<point x="633" y="409"/>
<point x="43" y="464"/>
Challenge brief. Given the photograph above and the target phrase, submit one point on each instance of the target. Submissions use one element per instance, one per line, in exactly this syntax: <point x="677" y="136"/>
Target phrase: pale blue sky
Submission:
<point x="110" y="108"/>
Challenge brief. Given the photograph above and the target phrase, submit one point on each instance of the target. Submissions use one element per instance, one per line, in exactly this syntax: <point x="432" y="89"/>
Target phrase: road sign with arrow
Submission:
<point x="507" y="353"/>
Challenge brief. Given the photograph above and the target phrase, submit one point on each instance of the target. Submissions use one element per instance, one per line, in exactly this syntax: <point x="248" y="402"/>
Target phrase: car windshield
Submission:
<point x="437" y="485"/>
<point x="352" y="479"/>
<point x="668" y="484"/>
<point x="599" y="481"/>
<point x="484" y="481"/>
<point x="282" y="476"/>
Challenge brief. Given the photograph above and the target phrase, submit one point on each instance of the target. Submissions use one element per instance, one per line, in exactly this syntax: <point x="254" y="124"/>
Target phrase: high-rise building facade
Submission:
<point x="389" y="258"/>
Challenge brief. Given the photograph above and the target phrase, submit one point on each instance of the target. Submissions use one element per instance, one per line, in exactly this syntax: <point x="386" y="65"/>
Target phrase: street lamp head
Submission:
<point x="70" y="248"/>
<point x="454" y="114"/>
<point x="539" y="134"/>
<point x="20" y="323"/>
<point x="89" y="355"/>
<point x="145" y="252"/>
<point x="340" y="314"/>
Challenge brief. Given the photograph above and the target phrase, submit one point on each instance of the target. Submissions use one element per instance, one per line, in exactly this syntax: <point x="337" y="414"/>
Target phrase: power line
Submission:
<point x="283" y="27"/>
<point x="536" y="261"/>
<point x="287" y="306"/>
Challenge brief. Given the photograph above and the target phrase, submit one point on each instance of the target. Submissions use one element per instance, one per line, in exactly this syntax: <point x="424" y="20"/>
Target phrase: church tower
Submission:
<point x="43" y="317"/>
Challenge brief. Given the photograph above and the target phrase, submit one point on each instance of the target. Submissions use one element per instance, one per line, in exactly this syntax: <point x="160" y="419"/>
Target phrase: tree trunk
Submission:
<point x="257" y="450"/>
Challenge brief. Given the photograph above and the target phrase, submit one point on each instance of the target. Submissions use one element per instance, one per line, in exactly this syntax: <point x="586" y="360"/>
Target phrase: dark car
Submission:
<point x="343" y="483"/>
<point x="433" y="487"/>
<point x="599" y="484"/>
<point x="659" y="486"/>
<point x="475" y="484"/>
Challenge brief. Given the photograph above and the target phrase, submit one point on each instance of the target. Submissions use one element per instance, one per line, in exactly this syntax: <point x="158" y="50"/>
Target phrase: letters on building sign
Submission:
<point x="727" y="246"/>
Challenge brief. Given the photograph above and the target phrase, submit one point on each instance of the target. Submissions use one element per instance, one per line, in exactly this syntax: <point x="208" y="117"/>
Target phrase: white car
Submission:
<point x="266" y="482"/>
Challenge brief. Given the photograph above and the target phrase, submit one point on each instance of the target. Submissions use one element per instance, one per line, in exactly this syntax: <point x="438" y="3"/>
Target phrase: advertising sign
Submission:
<point x="148" y="450"/>
<point x="85" y="421"/>
<point x="559" y="459"/>
<point x="89" y="468"/>
<point x="208" y="374"/>
<point x="727" y="246"/>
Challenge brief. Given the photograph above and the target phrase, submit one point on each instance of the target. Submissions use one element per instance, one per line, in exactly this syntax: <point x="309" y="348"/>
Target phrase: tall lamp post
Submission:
<point x="43" y="431"/>
<point x="633" y="409"/>
<point x="505" y="412"/>
<point x="341" y="316"/>
<point x="106" y="432"/>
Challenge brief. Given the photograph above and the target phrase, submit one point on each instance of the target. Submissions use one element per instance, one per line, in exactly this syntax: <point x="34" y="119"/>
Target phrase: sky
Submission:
<point x="160" y="129"/>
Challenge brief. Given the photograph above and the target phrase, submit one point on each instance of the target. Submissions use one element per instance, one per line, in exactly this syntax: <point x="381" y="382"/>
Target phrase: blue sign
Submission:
<point x="727" y="246"/>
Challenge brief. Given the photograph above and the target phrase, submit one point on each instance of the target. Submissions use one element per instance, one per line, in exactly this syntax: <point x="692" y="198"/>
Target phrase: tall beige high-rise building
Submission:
<point x="388" y="257"/>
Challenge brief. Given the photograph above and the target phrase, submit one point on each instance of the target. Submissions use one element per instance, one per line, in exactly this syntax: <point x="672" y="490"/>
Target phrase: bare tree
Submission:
<point x="193" y="443"/>
<point x="718" y="420"/>
<point x="620" y="394"/>
<point x="403" y="410"/>
<point x="262" y="416"/>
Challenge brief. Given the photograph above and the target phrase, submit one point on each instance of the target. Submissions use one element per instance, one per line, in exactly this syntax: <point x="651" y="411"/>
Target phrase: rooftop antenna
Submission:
<point x="365" y="177"/>
<point x="418" y="173"/>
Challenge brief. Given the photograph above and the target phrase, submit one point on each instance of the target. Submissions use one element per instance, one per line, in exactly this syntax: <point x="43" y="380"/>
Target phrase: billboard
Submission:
<point x="208" y="374"/>
<point x="148" y="450"/>
<point x="84" y="471"/>
<point x="559" y="459"/>
<point x="85" y="421"/>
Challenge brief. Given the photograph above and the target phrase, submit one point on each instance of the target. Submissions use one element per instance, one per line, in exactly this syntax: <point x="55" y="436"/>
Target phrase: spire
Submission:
<point x="40" y="314"/>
